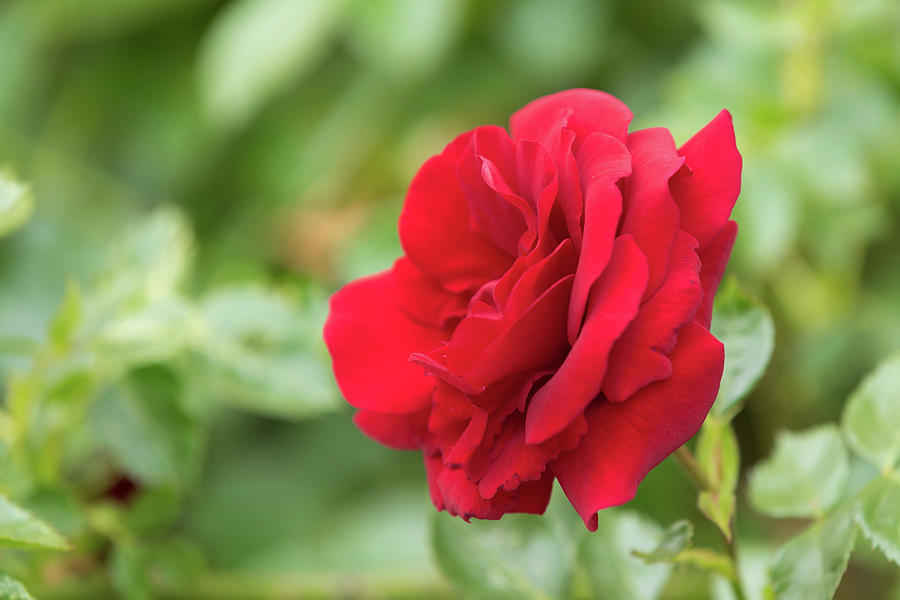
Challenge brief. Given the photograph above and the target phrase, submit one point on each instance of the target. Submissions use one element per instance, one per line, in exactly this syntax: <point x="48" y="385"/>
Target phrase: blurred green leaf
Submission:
<point x="155" y="332"/>
<point x="607" y="556"/>
<point x="811" y="565"/>
<point x="10" y="589"/>
<point x="871" y="420"/>
<point x="719" y="457"/>
<point x="878" y="515"/>
<point x="675" y="539"/>
<point x="67" y="318"/>
<point x="142" y="424"/>
<point x="520" y="556"/>
<point x="16" y="203"/>
<point x="406" y="38"/>
<point x="262" y="354"/>
<point x="255" y="48"/>
<point x="805" y="475"/>
<point x="745" y="327"/>
<point x="20" y="528"/>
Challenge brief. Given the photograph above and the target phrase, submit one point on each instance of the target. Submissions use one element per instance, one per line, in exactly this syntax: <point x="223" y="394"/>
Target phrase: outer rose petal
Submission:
<point x="423" y="298"/>
<point x="715" y="259"/>
<point x="639" y="356"/>
<point x="625" y="440"/>
<point x="707" y="193"/>
<point x="435" y="228"/>
<point x="588" y="111"/>
<point x="370" y="339"/>
<point x="401" y="432"/>
<point x="614" y="303"/>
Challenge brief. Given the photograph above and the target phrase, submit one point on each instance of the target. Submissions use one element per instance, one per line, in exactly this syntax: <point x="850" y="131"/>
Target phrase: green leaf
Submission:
<point x="20" y="528"/>
<point x="16" y="203"/>
<point x="520" y="556"/>
<point x="746" y="328"/>
<point x="10" y="589"/>
<point x="719" y="457"/>
<point x="142" y="424"/>
<point x="406" y="38"/>
<point x="613" y="570"/>
<point x="878" y="515"/>
<point x="804" y="477"/>
<point x="810" y="566"/>
<point x="675" y="540"/>
<point x="155" y="332"/>
<point x="675" y="547"/>
<point x="871" y="420"/>
<point x="255" y="48"/>
<point x="67" y="318"/>
<point x="261" y="353"/>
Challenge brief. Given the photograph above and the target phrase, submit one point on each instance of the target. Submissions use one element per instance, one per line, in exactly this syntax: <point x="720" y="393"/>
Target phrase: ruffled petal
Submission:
<point x="583" y="111"/>
<point x="603" y="160"/>
<point x="651" y="214"/>
<point x="640" y="356"/>
<point x="401" y="432"/>
<point x="706" y="192"/>
<point x="436" y="231"/>
<point x="714" y="259"/>
<point x="455" y="493"/>
<point x="614" y="303"/>
<point x="370" y="339"/>
<point x="625" y="440"/>
<point x="513" y="462"/>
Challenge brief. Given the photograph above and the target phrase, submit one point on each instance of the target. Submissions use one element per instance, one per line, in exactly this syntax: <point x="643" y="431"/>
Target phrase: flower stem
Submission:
<point x="698" y="477"/>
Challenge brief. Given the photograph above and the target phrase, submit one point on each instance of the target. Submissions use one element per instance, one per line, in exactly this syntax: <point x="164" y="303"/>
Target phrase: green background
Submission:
<point x="205" y="173"/>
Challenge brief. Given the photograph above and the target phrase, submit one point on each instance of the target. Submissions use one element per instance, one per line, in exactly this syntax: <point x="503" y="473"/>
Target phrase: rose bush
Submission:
<point x="550" y="317"/>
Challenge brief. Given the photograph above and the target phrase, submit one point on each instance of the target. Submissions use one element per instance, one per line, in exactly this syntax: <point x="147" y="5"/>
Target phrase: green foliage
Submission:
<point x="613" y="570"/>
<point x="20" y="528"/>
<point x="878" y="515"/>
<point x="746" y="328"/>
<point x="810" y="566"/>
<point x="16" y="203"/>
<point x="675" y="540"/>
<point x="871" y="419"/>
<point x="10" y="589"/>
<point x="805" y="476"/>
<point x="166" y="401"/>
<point x="255" y="48"/>
<point x="518" y="557"/>
<point x="719" y="457"/>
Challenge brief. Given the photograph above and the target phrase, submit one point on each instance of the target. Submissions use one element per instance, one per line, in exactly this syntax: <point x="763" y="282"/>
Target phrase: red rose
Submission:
<point x="550" y="318"/>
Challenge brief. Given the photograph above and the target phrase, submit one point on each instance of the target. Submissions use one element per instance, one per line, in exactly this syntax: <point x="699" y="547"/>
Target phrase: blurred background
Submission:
<point x="205" y="172"/>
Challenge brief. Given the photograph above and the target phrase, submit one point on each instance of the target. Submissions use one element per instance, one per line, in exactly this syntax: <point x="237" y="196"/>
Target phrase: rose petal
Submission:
<point x="603" y="160"/>
<point x="486" y="172"/>
<point x="707" y="192"/>
<point x="585" y="111"/>
<point x="614" y="303"/>
<point x="625" y="440"/>
<point x="513" y="462"/>
<point x="651" y="214"/>
<point x="459" y="496"/>
<point x="639" y="356"/>
<point x="714" y="259"/>
<point x="537" y="339"/>
<point x="423" y="299"/>
<point x="401" y="432"/>
<point x="370" y="339"/>
<point x="435" y="228"/>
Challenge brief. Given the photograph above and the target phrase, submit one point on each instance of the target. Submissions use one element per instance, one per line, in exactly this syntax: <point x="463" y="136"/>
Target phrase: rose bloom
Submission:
<point x="550" y="316"/>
